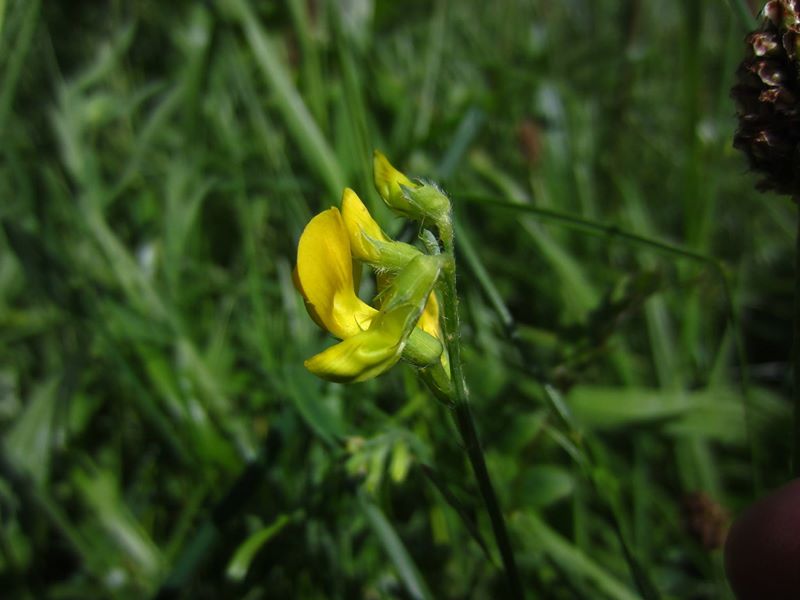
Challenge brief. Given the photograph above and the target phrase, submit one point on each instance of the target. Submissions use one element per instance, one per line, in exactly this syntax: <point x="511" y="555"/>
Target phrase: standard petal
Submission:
<point x="325" y="276"/>
<point x="309" y="307"/>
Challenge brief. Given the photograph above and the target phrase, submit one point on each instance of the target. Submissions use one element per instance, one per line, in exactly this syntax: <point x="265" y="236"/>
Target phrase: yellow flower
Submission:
<point x="373" y="341"/>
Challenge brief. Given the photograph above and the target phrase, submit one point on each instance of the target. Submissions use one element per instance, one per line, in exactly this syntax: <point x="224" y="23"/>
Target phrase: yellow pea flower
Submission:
<point x="373" y="341"/>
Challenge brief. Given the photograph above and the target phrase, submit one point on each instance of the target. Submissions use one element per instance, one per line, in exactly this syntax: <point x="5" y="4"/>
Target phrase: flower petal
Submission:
<point x="325" y="276"/>
<point x="388" y="180"/>
<point x="429" y="320"/>
<point x="357" y="358"/>
<point x="367" y="354"/>
<point x="361" y="228"/>
<point x="309" y="307"/>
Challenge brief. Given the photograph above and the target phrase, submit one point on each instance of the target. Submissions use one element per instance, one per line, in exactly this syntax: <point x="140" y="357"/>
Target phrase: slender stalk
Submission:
<point x="796" y="354"/>
<point x="744" y="13"/>
<point x="462" y="415"/>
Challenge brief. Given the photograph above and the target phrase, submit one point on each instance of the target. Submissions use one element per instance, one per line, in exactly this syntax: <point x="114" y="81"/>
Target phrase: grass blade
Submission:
<point x="301" y="124"/>
<point x="393" y="545"/>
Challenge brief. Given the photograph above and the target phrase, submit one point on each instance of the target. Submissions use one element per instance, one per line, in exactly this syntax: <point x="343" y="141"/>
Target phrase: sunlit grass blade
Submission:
<point x="239" y="564"/>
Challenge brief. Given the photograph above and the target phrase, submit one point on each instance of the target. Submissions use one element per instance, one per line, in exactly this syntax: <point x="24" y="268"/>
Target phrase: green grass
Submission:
<point x="625" y="298"/>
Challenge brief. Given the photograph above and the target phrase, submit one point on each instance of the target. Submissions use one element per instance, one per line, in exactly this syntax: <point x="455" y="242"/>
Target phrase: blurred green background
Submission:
<point x="160" y="436"/>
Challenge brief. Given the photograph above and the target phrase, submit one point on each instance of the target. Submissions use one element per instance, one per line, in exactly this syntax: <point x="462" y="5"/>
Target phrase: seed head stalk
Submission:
<point x="796" y="353"/>
<point x="767" y="95"/>
<point x="462" y="413"/>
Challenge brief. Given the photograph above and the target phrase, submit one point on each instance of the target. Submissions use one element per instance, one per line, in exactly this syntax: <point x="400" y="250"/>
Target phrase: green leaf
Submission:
<point x="716" y="412"/>
<point x="123" y="532"/>
<point x="304" y="392"/>
<point x="30" y="439"/>
<point x="240" y="562"/>
<point x="543" y="485"/>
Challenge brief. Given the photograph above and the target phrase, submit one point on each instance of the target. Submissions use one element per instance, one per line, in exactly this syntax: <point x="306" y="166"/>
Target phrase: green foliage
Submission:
<point x="159" y="435"/>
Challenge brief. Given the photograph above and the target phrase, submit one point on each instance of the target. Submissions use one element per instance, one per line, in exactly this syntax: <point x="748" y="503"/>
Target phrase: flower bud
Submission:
<point x="430" y="201"/>
<point x="388" y="182"/>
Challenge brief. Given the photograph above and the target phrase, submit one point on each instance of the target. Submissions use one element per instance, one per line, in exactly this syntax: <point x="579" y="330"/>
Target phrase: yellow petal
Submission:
<point x="361" y="357"/>
<point x="356" y="276"/>
<point x="367" y="354"/>
<point x="361" y="227"/>
<point x="388" y="181"/>
<point x="429" y="320"/>
<point x="325" y="276"/>
<point x="309" y="307"/>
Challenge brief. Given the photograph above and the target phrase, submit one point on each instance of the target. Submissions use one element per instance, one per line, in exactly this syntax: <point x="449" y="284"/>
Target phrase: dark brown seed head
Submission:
<point x="766" y="95"/>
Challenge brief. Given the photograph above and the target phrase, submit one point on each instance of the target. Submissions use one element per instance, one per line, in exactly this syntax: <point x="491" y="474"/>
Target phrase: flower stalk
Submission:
<point x="462" y="412"/>
<point x="767" y="95"/>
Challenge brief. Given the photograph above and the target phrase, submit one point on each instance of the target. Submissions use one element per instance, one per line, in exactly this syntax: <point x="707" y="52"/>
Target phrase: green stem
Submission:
<point x="796" y="355"/>
<point x="462" y="414"/>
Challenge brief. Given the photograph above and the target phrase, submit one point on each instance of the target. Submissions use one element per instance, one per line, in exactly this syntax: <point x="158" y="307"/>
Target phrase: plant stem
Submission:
<point x="796" y="354"/>
<point x="462" y="414"/>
